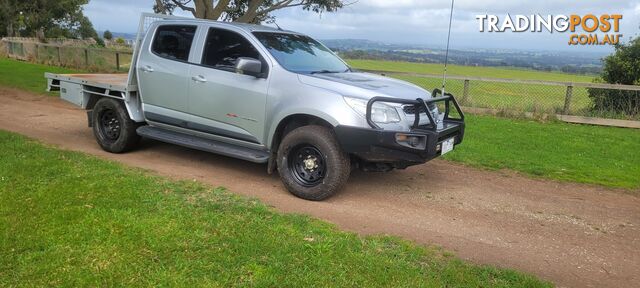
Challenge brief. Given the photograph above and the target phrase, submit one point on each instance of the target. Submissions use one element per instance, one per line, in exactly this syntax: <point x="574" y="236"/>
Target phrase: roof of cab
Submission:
<point x="244" y="26"/>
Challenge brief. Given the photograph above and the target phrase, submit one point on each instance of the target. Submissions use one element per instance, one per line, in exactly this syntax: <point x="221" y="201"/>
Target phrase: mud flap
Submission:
<point x="90" y="118"/>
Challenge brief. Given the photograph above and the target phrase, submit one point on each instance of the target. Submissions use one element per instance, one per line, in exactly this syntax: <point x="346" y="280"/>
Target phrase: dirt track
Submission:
<point x="574" y="235"/>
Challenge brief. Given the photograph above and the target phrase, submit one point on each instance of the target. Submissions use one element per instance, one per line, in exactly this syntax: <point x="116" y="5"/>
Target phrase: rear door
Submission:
<point x="222" y="101"/>
<point x="163" y="70"/>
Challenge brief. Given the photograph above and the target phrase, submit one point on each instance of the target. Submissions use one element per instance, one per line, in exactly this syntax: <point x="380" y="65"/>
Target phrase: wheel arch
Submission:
<point x="131" y="103"/>
<point x="288" y="124"/>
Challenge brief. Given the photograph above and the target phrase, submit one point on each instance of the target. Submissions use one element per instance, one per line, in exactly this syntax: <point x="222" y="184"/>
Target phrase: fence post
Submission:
<point x="59" y="57"/>
<point x="117" y="61"/>
<point x="86" y="58"/>
<point x="465" y="92"/>
<point x="36" y="53"/>
<point x="567" y="100"/>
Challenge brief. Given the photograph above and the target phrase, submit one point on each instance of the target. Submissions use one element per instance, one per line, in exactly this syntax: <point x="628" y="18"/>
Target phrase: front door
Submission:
<point x="225" y="102"/>
<point x="163" y="70"/>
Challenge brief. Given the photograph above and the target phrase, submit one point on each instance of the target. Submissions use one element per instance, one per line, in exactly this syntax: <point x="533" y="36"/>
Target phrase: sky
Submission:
<point x="420" y="22"/>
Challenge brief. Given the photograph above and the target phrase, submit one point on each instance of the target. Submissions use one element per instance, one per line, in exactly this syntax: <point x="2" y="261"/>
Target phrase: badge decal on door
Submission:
<point x="232" y="115"/>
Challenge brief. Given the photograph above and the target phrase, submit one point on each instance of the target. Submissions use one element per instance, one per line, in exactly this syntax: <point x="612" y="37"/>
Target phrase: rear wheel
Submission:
<point x="112" y="127"/>
<point x="311" y="163"/>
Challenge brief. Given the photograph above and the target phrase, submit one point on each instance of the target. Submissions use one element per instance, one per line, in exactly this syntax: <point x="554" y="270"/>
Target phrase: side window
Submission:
<point x="173" y="41"/>
<point x="223" y="47"/>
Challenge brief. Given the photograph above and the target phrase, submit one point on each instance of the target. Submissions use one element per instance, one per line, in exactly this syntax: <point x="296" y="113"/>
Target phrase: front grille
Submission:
<point x="411" y="109"/>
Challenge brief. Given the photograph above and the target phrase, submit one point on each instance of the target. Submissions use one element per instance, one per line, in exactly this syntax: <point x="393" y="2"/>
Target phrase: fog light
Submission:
<point x="412" y="141"/>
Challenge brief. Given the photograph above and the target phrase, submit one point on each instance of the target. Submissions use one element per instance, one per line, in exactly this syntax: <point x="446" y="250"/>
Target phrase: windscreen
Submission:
<point x="301" y="54"/>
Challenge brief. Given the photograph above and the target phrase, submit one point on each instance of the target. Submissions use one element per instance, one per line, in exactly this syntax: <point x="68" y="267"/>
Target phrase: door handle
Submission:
<point x="199" y="79"/>
<point x="147" y="68"/>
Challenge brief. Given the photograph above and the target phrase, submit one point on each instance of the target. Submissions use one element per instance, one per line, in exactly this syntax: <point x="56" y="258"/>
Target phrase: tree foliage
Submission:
<point x="45" y="18"/>
<point x="107" y="35"/>
<point x="9" y="16"/>
<point x="246" y="11"/>
<point x="621" y="67"/>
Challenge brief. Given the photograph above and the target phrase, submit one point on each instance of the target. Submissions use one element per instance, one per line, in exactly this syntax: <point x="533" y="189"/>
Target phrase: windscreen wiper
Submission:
<point x="324" y="72"/>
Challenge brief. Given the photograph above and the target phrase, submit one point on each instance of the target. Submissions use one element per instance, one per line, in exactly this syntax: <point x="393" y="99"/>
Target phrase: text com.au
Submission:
<point x="586" y="29"/>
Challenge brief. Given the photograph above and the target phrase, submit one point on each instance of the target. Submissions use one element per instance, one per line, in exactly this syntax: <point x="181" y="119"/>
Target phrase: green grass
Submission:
<point x="27" y="76"/>
<point x="495" y="95"/>
<point x="472" y="71"/>
<point x="68" y="219"/>
<point x="508" y="96"/>
<point x="581" y="153"/>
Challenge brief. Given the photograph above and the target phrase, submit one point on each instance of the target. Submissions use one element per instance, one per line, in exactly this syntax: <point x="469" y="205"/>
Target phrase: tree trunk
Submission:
<point x="252" y="12"/>
<point x="40" y="34"/>
<point x="161" y="8"/>
<point x="201" y="8"/>
<point x="10" y="30"/>
<point x="205" y="9"/>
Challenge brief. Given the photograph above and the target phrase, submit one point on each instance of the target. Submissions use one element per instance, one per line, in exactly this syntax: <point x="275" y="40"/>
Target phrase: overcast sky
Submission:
<point x="409" y="21"/>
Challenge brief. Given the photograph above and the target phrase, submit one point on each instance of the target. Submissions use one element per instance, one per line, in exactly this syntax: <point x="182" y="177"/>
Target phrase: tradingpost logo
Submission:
<point x="588" y="29"/>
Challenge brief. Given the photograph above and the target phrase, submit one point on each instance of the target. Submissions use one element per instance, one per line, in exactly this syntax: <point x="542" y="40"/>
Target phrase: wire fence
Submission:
<point x="532" y="98"/>
<point x="3" y="49"/>
<point x="92" y="59"/>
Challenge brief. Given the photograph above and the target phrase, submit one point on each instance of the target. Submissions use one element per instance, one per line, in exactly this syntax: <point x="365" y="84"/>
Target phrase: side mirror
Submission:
<point x="249" y="66"/>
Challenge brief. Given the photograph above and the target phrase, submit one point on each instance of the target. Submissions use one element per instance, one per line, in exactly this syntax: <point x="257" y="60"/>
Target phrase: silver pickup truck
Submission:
<point x="264" y="95"/>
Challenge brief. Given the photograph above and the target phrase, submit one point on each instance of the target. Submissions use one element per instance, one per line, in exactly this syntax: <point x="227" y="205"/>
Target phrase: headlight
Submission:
<point x="380" y="112"/>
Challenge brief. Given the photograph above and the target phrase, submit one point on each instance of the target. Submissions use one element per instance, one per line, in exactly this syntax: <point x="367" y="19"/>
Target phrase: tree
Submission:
<point x="245" y="11"/>
<point x="10" y="16"/>
<point x="42" y="15"/>
<point x="621" y="67"/>
<point x="72" y="26"/>
<point x="107" y="35"/>
<point x="85" y="28"/>
<point x="36" y="17"/>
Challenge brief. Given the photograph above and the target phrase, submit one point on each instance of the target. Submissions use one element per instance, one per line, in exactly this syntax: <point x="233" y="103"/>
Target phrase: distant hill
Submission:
<point x="360" y="44"/>
<point x="125" y="36"/>
<point x="572" y="62"/>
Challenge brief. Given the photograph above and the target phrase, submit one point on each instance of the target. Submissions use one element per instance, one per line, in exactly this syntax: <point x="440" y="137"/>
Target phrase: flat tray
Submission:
<point x="116" y="82"/>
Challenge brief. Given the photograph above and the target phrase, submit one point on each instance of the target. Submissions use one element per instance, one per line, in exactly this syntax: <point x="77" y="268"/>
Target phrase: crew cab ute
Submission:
<point x="263" y="95"/>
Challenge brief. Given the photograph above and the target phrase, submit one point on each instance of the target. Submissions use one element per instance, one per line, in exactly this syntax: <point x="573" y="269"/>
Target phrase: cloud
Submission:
<point x="407" y="21"/>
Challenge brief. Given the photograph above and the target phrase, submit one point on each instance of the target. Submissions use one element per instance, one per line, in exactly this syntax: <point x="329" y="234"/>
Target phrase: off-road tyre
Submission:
<point x="305" y="179"/>
<point x="115" y="132"/>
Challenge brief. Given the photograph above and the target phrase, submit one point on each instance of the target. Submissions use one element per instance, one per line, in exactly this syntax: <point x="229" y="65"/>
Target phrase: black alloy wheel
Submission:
<point x="112" y="127"/>
<point x="311" y="162"/>
<point x="110" y="124"/>
<point x="307" y="164"/>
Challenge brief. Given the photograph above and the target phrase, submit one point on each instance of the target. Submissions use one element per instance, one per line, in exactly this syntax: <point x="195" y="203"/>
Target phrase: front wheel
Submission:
<point x="312" y="164"/>
<point x="112" y="127"/>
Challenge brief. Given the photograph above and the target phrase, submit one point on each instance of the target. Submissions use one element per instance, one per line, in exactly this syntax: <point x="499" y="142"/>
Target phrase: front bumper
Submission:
<point x="376" y="145"/>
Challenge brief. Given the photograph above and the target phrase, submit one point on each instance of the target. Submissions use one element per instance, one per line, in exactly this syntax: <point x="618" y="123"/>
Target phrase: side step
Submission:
<point x="199" y="143"/>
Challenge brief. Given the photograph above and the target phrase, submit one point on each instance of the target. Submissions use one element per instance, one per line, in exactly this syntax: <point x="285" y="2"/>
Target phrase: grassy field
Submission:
<point x="98" y="59"/>
<point x="503" y="96"/>
<point x="27" y="76"/>
<point x="605" y="156"/>
<point x="458" y="70"/>
<point x="68" y="219"/>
